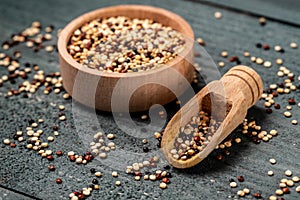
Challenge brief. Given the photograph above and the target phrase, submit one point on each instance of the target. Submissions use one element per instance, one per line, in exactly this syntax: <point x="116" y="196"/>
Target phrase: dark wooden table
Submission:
<point x="24" y="175"/>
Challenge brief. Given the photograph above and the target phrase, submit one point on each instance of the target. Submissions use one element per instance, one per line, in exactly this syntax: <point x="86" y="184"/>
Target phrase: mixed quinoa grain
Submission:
<point x="194" y="136"/>
<point x="121" y="44"/>
<point x="140" y="59"/>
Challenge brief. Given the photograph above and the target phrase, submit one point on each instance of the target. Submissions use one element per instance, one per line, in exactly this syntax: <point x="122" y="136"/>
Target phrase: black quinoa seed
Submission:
<point x="145" y="149"/>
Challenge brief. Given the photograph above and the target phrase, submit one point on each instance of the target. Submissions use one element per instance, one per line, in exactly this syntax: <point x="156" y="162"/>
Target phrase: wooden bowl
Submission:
<point x="137" y="91"/>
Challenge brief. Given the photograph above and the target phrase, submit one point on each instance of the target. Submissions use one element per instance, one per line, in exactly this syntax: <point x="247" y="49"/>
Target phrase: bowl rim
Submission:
<point x="67" y="31"/>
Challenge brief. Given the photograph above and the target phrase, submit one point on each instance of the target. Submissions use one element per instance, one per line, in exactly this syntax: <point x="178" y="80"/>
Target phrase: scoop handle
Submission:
<point x="243" y="80"/>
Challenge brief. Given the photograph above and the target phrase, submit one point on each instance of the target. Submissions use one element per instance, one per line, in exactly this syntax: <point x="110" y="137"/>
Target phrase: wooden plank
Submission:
<point x="285" y="11"/>
<point x="7" y="194"/>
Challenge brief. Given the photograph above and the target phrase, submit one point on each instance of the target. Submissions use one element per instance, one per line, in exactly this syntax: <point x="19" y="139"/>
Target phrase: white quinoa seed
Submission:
<point x="50" y="139"/>
<point x="241" y="193"/>
<point x="293" y="45"/>
<point x="218" y="15"/>
<point x="49" y="48"/>
<point x="282" y="185"/>
<point x="246" y="190"/>
<point x="110" y="136"/>
<point x="163" y="185"/>
<point x="34" y="125"/>
<point x="238" y="140"/>
<point x="277" y="48"/>
<point x="78" y="160"/>
<point x="280" y="74"/>
<point x="74" y="198"/>
<point x="288" y="107"/>
<point x="246" y="54"/>
<point x="288" y="173"/>
<point x="48" y="152"/>
<point x="270" y="173"/>
<point x="290" y="183"/>
<point x="157" y="135"/>
<point x="6" y="141"/>
<point x="233" y="184"/>
<point x="200" y="41"/>
<point x="62" y="118"/>
<point x="98" y="174"/>
<point x="118" y="183"/>
<point x="272" y="161"/>
<point x="272" y="197"/>
<point x="259" y="61"/>
<point x="284" y="180"/>
<point x="296" y="179"/>
<point x="102" y="155"/>
<point x="287" y="114"/>
<point x="152" y="177"/>
<point x="144" y="117"/>
<point x="297" y="189"/>
<point x="224" y="54"/>
<point x="267" y="64"/>
<point x="221" y="64"/>
<point x="279" y="192"/>
<point x="262" y="20"/>
<point x="86" y="192"/>
<point x="294" y="122"/>
<point x="279" y="61"/>
<point x="144" y="141"/>
<point x="114" y="174"/>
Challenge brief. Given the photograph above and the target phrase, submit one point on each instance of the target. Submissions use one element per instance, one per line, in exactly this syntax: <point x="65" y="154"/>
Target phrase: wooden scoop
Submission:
<point x="227" y="100"/>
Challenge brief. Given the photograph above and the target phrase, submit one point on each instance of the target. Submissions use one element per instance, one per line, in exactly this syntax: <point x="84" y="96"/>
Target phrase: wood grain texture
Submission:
<point x="283" y="11"/>
<point x="141" y="90"/>
<point x="235" y="32"/>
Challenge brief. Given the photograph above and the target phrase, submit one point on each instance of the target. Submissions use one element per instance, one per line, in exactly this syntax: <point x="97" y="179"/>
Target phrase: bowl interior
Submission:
<point x="162" y="16"/>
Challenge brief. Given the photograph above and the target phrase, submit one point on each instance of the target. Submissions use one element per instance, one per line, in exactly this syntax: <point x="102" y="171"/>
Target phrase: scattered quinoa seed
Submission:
<point x="221" y="64"/>
<point x="293" y="45"/>
<point x="272" y="161"/>
<point x="270" y="173"/>
<point x="224" y="54"/>
<point x="287" y="114"/>
<point x="200" y="41"/>
<point x="114" y="174"/>
<point x="279" y="61"/>
<point x="118" y="183"/>
<point x="296" y="179"/>
<point x="279" y="192"/>
<point x="294" y="122"/>
<point x="241" y="193"/>
<point x="262" y="21"/>
<point x="218" y="15"/>
<point x="110" y="136"/>
<point x="233" y="184"/>
<point x="143" y="117"/>
<point x="6" y="141"/>
<point x="163" y="185"/>
<point x="288" y="173"/>
<point x="98" y="174"/>
<point x="246" y="54"/>
<point x="58" y="181"/>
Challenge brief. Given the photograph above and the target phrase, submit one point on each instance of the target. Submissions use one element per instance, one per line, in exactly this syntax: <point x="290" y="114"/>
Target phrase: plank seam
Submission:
<point x="245" y="12"/>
